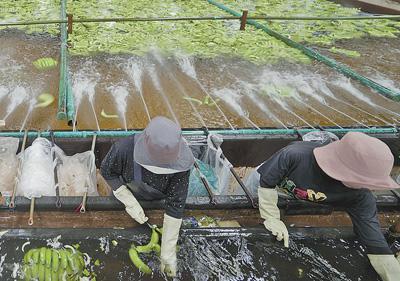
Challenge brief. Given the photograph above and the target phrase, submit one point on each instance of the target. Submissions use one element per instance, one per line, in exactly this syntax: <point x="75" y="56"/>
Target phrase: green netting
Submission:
<point x="317" y="56"/>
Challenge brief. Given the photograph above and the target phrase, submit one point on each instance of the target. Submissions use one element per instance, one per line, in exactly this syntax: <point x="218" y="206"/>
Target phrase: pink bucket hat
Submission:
<point x="359" y="161"/>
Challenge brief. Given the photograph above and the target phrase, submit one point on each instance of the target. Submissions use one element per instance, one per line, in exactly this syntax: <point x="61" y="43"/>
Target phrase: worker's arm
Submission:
<point x="112" y="166"/>
<point x="116" y="168"/>
<point x="174" y="208"/>
<point x="272" y="172"/>
<point x="363" y="213"/>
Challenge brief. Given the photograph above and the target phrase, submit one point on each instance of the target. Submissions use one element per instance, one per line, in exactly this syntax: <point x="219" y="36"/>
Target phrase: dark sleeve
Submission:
<point x="275" y="169"/>
<point x="176" y="194"/>
<point x="363" y="213"/>
<point x="115" y="165"/>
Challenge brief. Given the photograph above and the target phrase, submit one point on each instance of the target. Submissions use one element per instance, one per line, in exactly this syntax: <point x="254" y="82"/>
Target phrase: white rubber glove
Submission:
<point x="132" y="206"/>
<point x="267" y="201"/>
<point x="170" y="234"/>
<point x="387" y="266"/>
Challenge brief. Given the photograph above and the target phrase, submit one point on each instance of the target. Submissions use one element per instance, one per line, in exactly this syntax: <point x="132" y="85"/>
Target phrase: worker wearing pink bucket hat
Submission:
<point x="359" y="161"/>
<point x="341" y="174"/>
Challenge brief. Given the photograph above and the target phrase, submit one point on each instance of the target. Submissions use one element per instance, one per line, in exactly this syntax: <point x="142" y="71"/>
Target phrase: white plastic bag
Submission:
<point x="8" y="164"/>
<point x="322" y="137"/>
<point x="221" y="166"/>
<point x="37" y="170"/>
<point x="76" y="174"/>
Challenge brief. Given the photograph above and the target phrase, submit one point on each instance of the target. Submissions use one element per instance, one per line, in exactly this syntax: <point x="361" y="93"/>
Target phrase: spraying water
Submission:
<point x="17" y="96"/>
<point x="3" y="92"/>
<point x="248" y="89"/>
<point x="182" y="90"/>
<point x="156" y="82"/>
<point x="232" y="98"/>
<point x="346" y="84"/>
<point x="323" y="88"/>
<point x="187" y="66"/>
<point x="83" y="84"/>
<point x="120" y="94"/>
<point x="135" y="72"/>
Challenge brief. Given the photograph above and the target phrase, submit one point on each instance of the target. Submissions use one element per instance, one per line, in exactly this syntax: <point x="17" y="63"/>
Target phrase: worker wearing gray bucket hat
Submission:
<point x="342" y="174"/>
<point x="151" y="166"/>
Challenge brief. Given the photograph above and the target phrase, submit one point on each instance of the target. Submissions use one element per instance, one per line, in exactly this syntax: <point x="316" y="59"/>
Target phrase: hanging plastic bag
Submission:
<point x="76" y="174"/>
<point x="196" y="186"/>
<point x="8" y="164"/>
<point x="220" y="166"/>
<point x="37" y="170"/>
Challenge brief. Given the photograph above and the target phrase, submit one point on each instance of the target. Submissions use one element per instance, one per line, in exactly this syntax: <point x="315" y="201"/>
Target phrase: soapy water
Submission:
<point x="208" y="254"/>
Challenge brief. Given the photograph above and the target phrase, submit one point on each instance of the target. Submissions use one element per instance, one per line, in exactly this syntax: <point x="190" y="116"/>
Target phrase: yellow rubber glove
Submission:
<point x="171" y="227"/>
<point x="132" y="206"/>
<point x="387" y="266"/>
<point x="269" y="211"/>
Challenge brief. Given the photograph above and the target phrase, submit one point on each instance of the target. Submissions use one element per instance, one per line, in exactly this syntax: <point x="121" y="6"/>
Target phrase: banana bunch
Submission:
<point x="152" y="246"/>
<point x="45" y="63"/>
<point x="47" y="264"/>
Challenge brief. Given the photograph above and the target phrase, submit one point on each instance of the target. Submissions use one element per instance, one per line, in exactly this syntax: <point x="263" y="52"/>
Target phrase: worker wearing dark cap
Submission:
<point x="341" y="173"/>
<point x="152" y="166"/>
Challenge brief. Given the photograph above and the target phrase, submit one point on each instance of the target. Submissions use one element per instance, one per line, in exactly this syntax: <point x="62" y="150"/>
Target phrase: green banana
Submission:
<point x="157" y="249"/>
<point x="62" y="275"/>
<point x="49" y="253"/>
<point x="28" y="256"/>
<point x="134" y="256"/>
<point x="73" y="263"/>
<point x="41" y="272"/>
<point x="42" y="255"/>
<point x="27" y="273"/>
<point x="144" y="249"/>
<point x="55" y="260"/>
<point x="63" y="259"/>
<point x="35" y="271"/>
<point x="35" y="256"/>
<point x="155" y="238"/>
<point x="47" y="274"/>
<point x="54" y="275"/>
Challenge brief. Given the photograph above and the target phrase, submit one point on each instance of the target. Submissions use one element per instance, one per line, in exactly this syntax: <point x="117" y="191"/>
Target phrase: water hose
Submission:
<point x="63" y="84"/>
<point x="317" y="56"/>
<point x="12" y="202"/>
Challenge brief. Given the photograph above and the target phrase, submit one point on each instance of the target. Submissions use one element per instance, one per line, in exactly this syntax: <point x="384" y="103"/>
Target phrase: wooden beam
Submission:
<point x="120" y="219"/>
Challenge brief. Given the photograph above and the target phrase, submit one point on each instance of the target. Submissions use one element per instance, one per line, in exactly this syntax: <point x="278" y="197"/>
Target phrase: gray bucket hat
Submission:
<point x="161" y="149"/>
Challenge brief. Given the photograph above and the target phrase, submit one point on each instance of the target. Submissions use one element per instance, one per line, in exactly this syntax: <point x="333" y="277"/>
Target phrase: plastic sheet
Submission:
<point x="322" y="137"/>
<point x="8" y="164"/>
<point x="37" y="172"/>
<point x="76" y="174"/>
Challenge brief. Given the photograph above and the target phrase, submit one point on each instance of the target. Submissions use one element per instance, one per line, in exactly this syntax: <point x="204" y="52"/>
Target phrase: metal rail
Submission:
<point x="149" y="19"/>
<point x="237" y="132"/>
